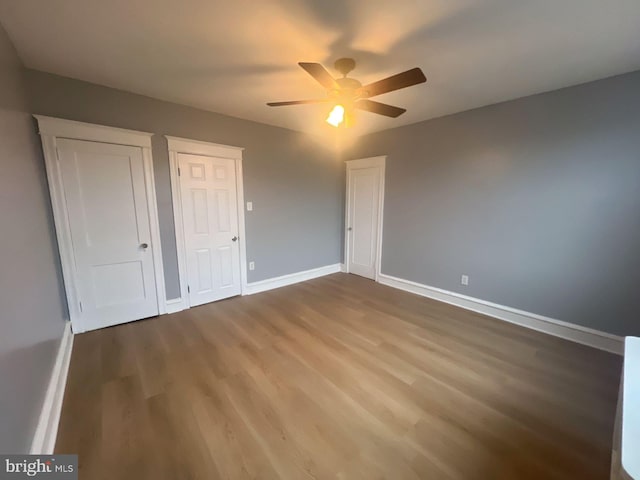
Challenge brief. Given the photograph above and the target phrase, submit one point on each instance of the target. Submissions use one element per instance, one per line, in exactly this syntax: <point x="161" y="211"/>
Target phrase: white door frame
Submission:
<point x="50" y="130"/>
<point x="371" y="162"/>
<point x="195" y="147"/>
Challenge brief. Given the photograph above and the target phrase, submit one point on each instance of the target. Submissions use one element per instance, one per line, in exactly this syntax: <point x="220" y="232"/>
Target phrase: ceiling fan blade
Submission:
<point x="395" y="82"/>
<point x="297" y="102"/>
<point x="320" y="73"/>
<point x="379" y="108"/>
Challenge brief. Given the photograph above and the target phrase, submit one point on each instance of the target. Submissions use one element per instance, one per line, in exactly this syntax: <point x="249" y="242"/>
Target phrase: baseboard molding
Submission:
<point x="558" y="328"/>
<point x="44" y="440"/>
<point x="175" y="305"/>
<point x="290" y="279"/>
<point x="343" y="268"/>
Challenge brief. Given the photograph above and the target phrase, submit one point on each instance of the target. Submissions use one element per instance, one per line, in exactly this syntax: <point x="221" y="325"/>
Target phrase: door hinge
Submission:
<point x="188" y="289"/>
<point x="80" y="305"/>
<point x="178" y="171"/>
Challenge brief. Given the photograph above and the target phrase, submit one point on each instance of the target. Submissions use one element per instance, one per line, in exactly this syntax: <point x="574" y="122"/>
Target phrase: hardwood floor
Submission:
<point x="336" y="378"/>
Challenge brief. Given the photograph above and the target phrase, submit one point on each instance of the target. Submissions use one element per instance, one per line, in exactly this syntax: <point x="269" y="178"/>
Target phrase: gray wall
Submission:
<point x="32" y="308"/>
<point x="537" y="200"/>
<point x="294" y="183"/>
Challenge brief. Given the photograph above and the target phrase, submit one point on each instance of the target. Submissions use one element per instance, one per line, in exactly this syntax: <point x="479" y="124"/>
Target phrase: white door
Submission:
<point x="363" y="218"/>
<point x="210" y="225"/>
<point x="108" y="215"/>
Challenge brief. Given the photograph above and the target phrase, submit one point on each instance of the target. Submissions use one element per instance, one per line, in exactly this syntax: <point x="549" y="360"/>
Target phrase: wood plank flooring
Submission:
<point x="336" y="378"/>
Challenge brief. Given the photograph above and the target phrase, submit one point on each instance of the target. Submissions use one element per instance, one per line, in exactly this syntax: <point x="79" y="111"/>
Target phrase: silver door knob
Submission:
<point x="144" y="245"/>
<point x="349" y="229"/>
<point x="234" y="239"/>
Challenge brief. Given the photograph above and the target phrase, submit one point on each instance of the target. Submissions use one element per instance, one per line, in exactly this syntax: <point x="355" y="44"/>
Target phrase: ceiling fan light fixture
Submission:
<point x="336" y="116"/>
<point x="349" y="94"/>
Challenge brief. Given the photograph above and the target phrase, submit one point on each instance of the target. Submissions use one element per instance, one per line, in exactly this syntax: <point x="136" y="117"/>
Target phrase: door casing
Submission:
<point x="177" y="145"/>
<point x="51" y="129"/>
<point x="370" y="162"/>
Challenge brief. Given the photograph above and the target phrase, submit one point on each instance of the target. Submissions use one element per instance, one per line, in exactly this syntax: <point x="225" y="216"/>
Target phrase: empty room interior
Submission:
<point x="305" y="239"/>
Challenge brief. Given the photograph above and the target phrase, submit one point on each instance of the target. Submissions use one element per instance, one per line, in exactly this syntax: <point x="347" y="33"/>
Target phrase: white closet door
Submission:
<point x="210" y="224"/>
<point x="362" y="231"/>
<point x="108" y="215"/>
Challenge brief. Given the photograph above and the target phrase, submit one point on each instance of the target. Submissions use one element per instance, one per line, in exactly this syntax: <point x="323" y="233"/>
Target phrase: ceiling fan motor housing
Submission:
<point x="344" y="65"/>
<point x="348" y="91"/>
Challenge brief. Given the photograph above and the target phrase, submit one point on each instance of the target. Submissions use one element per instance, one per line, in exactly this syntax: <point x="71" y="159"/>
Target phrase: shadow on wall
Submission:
<point x="375" y="38"/>
<point x="24" y="372"/>
<point x="33" y="309"/>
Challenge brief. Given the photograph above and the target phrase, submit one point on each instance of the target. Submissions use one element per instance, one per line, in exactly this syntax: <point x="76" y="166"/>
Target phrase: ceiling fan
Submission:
<point x="348" y="93"/>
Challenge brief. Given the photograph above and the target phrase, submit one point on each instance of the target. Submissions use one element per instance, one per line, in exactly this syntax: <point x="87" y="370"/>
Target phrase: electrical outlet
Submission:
<point x="252" y="265"/>
<point x="464" y="280"/>
<point x="249" y="206"/>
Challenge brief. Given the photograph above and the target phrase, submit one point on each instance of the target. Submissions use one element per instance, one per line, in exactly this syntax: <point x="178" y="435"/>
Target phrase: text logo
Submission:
<point x="59" y="467"/>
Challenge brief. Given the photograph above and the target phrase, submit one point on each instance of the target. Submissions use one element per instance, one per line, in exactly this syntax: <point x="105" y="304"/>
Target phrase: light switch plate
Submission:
<point x="249" y="206"/>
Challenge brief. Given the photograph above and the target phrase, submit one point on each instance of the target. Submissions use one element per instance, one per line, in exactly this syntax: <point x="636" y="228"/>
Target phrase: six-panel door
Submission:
<point x="210" y="227"/>
<point x="364" y="199"/>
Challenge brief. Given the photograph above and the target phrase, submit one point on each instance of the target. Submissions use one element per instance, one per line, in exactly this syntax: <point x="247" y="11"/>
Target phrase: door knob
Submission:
<point x="144" y="245"/>
<point x="234" y="239"/>
<point x="349" y="229"/>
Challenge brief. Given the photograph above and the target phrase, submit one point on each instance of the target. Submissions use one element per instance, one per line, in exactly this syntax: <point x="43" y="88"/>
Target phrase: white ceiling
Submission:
<point x="232" y="56"/>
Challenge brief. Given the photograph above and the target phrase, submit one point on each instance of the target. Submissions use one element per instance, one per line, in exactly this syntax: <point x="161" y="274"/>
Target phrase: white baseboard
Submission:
<point x="44" y="440"/>
<point x="558" y="328"/>
<point x="343" y="268"/>
<point x="290" y="279"/>
<point x="175" y="305"/>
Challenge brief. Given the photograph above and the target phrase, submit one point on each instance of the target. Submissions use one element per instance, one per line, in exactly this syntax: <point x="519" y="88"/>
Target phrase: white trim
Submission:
<point x="44" y="439"/>
<point x="176" y="200"/>
<point x="197" y="147"/>
<point x="241" y="226"/>
<point x="630" y="441"/>
<point x="63" y="229"/>
<point x="154" y="229"/>
<point x="58" y="127"/>
<point x="343" y="268"/>
<point x="178" y="145"/>
<point x="558" y="328"/>
<point x="290" y="279"/>
<point x="50" y="130"/>
<point x="175" y="305"/>
<point x="371" y="162"/>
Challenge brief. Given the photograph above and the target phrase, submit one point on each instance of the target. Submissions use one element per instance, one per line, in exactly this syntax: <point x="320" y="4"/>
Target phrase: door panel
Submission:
<point x="109" y="221"/>
<point x="118" y="283"/>
<point x="364" y="191"/>
<point x="210" y="224"/>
